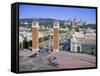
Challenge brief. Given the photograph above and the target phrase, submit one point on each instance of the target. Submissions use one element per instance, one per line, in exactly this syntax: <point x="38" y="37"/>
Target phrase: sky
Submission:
<point x="60" y="13"/>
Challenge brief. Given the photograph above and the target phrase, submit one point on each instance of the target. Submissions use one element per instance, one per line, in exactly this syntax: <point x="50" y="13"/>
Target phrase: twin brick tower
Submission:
<point x="35" y="37"/>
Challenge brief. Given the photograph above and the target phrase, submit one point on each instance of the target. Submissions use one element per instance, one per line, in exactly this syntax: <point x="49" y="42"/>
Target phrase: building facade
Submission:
<point x="84" y="43"/>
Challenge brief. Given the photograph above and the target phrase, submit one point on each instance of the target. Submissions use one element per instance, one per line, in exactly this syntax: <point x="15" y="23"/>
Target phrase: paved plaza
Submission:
<point x="62" y="60"/>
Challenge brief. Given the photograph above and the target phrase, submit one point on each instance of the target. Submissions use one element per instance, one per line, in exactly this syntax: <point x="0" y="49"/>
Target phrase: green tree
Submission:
<point x="25" y="43"/>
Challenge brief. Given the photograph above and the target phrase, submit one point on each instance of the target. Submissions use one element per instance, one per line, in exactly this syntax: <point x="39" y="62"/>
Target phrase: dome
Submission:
<point x="89" y="30"/>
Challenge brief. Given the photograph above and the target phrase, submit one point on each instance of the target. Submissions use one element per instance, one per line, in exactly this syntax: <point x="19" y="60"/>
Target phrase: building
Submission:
<point x="22" y="36"/>
<point x="84" y="42"/>
<point x="21" y="39"/>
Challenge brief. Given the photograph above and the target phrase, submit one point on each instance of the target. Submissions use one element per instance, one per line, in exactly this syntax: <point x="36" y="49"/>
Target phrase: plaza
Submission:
<point x="64" y="60"/>
<point x="57" y="48"/>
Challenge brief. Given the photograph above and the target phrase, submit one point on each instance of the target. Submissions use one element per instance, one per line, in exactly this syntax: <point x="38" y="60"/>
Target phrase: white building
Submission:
<point x="21" y="39"/>
<point x="86" y="43"/>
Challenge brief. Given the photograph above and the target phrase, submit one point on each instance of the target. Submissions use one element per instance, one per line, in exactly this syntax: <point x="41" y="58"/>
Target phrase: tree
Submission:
<point x="25" y="43"/>
<point x="30" y="43"/>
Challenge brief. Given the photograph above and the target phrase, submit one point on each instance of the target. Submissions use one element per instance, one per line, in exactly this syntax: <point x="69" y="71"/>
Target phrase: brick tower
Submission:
<point x="56" y="36"/>
<point x="35" y="37"/>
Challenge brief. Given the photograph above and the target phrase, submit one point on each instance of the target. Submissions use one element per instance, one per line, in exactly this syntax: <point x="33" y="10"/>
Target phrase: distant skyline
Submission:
<point x="60" y="13"/>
